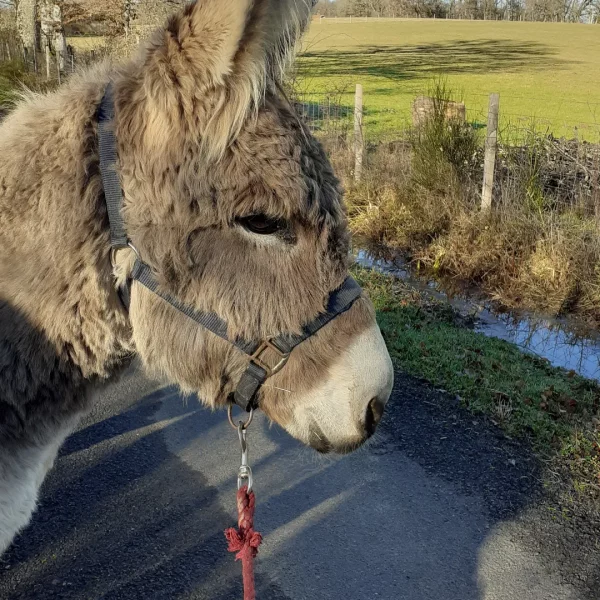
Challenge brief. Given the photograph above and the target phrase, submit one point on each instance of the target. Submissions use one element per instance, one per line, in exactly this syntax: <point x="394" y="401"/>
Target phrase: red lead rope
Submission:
<point x="245" y="541"/>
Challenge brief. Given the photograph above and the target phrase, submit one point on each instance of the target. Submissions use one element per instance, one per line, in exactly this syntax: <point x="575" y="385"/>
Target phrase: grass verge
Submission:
<point x="556" y="410"/>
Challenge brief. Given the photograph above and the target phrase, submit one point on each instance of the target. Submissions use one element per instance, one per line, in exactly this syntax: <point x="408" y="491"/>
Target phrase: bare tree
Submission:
<point x="112" y="13"/>
<point x="576" y="10"/>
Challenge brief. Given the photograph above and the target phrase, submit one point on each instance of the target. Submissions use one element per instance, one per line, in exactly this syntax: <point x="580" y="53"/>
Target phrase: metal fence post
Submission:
<point x="491" y="143"/>
<point x="359" y="143"/>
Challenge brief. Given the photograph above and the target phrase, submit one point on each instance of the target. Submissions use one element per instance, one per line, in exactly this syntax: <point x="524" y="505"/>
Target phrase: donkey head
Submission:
<point x="235" y="207"/>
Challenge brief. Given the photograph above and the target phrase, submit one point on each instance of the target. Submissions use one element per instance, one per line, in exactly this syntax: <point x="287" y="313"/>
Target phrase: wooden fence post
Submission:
<point x="58" y="61"/>
<point x="491" y="143"/>
<point x="359" y="143"/>
<point x="48" y="61"/>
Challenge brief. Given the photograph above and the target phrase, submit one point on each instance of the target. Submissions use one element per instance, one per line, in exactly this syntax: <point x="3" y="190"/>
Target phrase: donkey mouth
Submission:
<point x="318" y="441"/>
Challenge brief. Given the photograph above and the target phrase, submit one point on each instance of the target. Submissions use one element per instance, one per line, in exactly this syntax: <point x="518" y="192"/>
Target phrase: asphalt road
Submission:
<point x="137" y="504"/>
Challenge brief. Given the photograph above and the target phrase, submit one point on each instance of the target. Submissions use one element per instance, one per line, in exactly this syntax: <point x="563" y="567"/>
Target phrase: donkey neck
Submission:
<point x="55" y="268"/>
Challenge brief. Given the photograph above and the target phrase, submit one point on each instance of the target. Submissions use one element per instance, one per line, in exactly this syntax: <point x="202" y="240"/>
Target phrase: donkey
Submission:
<point x="230" y="209"/>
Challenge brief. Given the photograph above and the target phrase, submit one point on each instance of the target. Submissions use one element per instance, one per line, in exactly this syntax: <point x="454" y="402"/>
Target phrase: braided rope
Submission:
<point x="245" y="541"/>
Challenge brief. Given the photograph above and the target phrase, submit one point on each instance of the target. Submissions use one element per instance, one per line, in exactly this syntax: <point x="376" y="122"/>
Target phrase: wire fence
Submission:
<point x="385" y="120"/>
<point x="53" y="57"/>
<point x="555" y="163"/>
<point x="47" y="66"/>
<point x="327" y="117"/>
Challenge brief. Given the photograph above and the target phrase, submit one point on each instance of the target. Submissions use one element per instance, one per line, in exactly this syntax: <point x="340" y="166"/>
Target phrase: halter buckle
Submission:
<point x="264" y="347"/>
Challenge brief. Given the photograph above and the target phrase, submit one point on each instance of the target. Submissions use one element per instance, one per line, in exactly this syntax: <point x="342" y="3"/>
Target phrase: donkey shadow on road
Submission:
<point x="138" y="502"/>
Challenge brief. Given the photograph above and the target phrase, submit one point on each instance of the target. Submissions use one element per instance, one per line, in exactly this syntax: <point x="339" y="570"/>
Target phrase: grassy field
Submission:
<point x="86" y="43"/>
<point x="546" y="71"/>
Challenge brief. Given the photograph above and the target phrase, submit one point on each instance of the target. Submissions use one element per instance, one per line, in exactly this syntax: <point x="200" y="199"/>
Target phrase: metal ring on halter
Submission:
<point x="244" y="425"/>
<point x="113" y="254"/>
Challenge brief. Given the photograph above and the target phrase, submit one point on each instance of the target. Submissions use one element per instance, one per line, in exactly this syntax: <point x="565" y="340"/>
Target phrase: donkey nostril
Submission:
<point x="373" y="416"/>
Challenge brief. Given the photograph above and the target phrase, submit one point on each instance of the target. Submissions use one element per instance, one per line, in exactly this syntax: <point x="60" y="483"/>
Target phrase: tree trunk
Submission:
<point x="59" y="39"/>
<point x="26" y="24"/>
<point x="53" y="33"/>
<point x="127" y="16"/>
<point x="46" y="32"/>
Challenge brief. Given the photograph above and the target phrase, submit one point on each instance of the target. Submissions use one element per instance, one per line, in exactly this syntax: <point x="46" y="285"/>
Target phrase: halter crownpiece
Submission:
<point x="281" y="346"/>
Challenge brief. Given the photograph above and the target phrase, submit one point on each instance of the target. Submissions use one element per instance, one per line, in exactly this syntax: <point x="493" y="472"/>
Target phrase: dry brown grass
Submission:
<point x="388" y="206"/>
<point x="527" y="254"/>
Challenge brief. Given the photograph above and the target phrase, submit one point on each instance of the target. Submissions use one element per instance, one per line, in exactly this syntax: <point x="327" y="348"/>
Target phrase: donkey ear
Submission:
<point x="200" y="43"/>
<point x="213" y="39"/>
<point x="226" y="52"/>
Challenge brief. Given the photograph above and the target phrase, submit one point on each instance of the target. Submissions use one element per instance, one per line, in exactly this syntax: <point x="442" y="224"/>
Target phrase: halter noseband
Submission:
<point x="258" y="371"/>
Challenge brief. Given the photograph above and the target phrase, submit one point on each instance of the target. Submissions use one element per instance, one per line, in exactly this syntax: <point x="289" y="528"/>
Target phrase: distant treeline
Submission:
<point x="586" y="11"/>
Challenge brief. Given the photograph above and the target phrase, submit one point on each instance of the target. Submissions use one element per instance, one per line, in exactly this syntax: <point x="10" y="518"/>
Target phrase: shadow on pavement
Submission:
<point x="124" y="517"/>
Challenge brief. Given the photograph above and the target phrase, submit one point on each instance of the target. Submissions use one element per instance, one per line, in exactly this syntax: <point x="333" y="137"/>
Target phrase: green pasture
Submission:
<point x="546" y="73"/>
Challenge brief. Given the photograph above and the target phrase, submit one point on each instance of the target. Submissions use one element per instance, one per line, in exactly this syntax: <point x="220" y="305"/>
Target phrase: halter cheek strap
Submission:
<point x="279" y="348"/>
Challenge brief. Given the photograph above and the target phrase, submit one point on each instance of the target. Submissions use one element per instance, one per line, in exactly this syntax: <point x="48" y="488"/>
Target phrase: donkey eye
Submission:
<point x="262" y="225"/>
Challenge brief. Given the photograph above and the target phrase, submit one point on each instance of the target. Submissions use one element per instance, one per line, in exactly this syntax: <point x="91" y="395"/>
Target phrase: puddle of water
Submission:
<point x="560" y="341"/>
